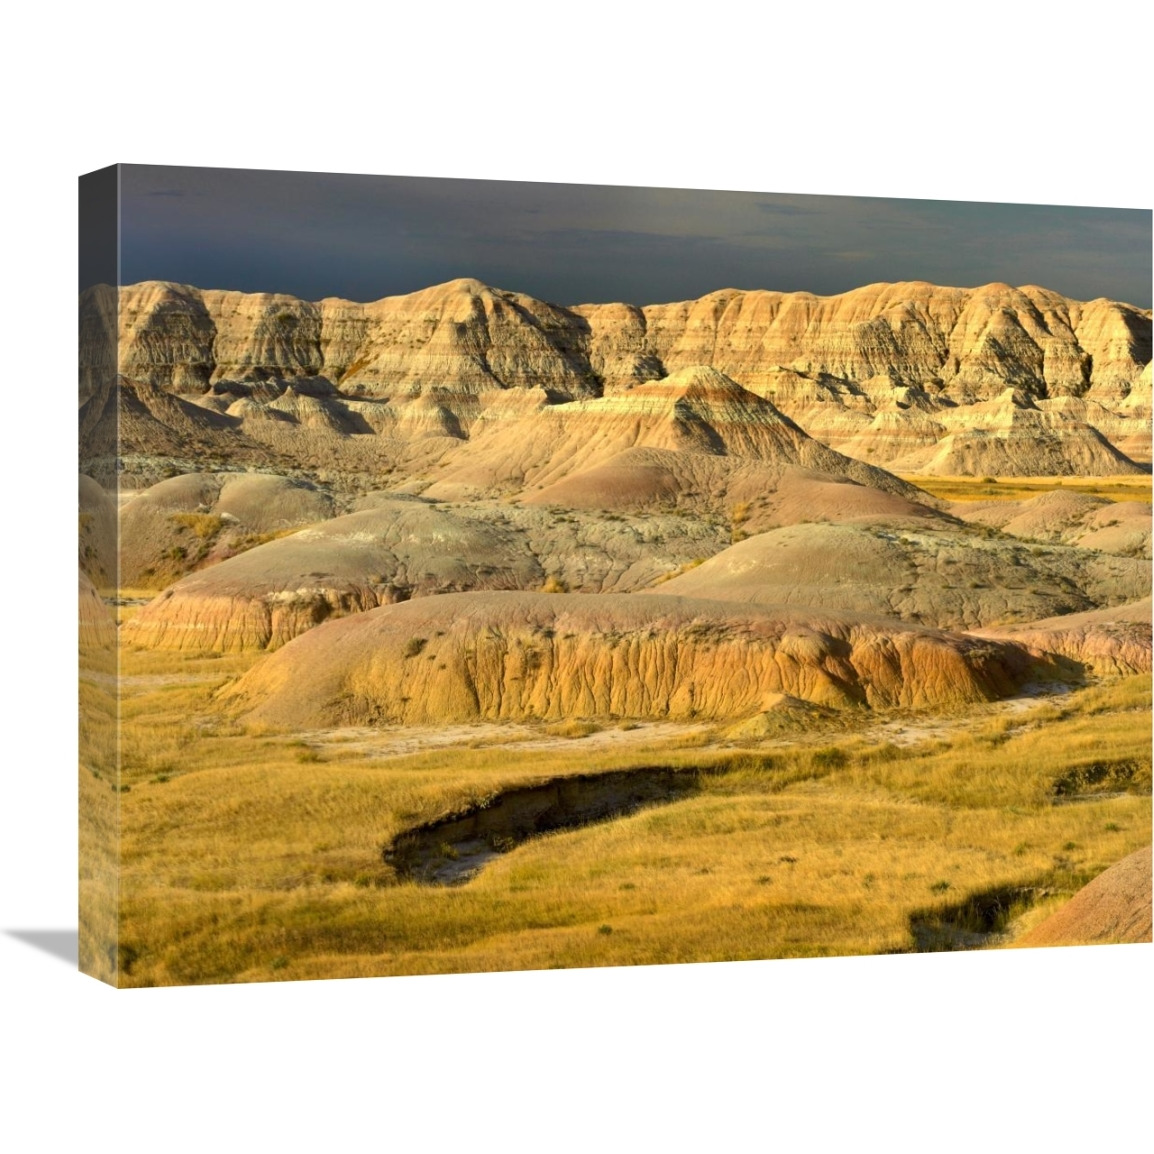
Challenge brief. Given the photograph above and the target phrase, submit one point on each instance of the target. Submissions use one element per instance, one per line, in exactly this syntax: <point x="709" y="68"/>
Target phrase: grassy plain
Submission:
<point x="253" y="855"/>
<point x="1121" y="488"/>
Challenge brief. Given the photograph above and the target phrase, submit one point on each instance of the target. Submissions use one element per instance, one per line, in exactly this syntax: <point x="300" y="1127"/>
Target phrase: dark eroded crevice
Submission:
<point x="453" y="849"/>
<point x="979" y="920"/>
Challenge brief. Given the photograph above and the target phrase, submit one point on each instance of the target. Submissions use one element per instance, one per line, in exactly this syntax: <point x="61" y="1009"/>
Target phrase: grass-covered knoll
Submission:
<point x="257" y="855"/>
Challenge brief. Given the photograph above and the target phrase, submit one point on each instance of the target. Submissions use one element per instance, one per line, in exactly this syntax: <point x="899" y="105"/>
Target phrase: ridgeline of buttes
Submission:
<point x="921" y="379"/>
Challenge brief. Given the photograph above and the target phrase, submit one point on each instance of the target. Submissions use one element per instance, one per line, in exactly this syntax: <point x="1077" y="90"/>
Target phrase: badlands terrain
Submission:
<point x="461" y="630"/>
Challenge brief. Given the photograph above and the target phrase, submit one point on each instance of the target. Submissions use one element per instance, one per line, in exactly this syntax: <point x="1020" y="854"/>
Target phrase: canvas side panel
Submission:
<point x="99" y="770"/>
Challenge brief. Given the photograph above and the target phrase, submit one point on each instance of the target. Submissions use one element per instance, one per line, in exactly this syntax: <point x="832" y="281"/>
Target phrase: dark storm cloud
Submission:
<point x="364" y="237"/>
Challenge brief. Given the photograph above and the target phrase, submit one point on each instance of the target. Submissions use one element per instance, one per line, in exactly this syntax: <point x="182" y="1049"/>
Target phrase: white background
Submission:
<point x="974" y="101"/>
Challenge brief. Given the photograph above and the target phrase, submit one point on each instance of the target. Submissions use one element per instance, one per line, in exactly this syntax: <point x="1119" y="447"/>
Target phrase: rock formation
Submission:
<point x="97" y="540"/>
<point x="397" y="548"/>
<point x="894" y="353"/>
<point x="1114" y="907"/>
<point x="1104" y="642"/>
<point x="96" y="630"/>
<point x="696" y="418"/>
<point x="517" y="656"/>
<point x="1120" y="527"/>
<point x="925" y="572"/>
<point x="198" y="519"/>
<point x="1011" y="436"/>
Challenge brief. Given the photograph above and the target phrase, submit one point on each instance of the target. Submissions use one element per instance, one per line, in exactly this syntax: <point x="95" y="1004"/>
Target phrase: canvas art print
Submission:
<point x="482" y="575"/>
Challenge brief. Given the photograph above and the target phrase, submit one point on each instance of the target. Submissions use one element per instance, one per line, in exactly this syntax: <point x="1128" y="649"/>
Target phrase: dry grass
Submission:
<point x="1124" y="488"/>
<point x="573" y="728"/>
<point x="243" y="860"/>
<point x="204" y="526"/>
<point x="686" y="568"/>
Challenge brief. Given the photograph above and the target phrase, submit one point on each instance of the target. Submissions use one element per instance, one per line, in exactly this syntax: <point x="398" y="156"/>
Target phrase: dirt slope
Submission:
<point x="397" y="548"/>
<point x="1114" y="907"/>
<point x="929" y="573"/>
<point x="1105" y="642"/>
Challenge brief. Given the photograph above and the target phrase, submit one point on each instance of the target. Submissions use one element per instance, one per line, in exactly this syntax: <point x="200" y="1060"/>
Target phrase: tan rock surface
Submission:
<point x="97" y="536"/>
<point x="1134" y="437"/>
<point x="396" y="548"/>
<point x="513" y="656"/>
<point x="1114" y="907"/>
<point x="833" y="364"/>
<point x="896" y="431"/>
<point x="762" y="494"/>
<point x="1125" y="426"/>
<point x="1120" y="527"/>
<point x="695" y="413"/>
<point x="474" y="336"/>
<point x="96" y="629"/>
<point x="1011" y="437"/>
<point x="925" y="573"/>
<point x="199" y="519"/>
<point x="1106" y="642"/>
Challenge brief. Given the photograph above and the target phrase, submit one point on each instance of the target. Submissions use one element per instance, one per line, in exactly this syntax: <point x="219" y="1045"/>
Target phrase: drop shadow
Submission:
<point x="60" y="944"/>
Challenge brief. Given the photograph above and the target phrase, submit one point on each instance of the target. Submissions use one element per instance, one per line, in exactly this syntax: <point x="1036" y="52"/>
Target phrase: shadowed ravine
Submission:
<point x="454" y="849"/>
<point x="977" y="921"/>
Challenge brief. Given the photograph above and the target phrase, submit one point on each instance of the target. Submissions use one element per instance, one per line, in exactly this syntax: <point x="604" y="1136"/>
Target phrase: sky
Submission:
<point x="315" y="235"/>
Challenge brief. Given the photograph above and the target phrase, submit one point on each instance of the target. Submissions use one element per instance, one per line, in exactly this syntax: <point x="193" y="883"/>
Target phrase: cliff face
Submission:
<point x="464" y="337"/>
<point x="993" y="380"/>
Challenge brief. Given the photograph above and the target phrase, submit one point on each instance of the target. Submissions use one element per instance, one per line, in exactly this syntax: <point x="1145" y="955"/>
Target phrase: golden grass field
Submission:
<point x="1121" y="488"/>
<point x="253" y="855"/>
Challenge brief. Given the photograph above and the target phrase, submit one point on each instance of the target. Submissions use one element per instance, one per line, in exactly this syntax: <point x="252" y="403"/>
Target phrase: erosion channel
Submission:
<point x="453" y="849"/>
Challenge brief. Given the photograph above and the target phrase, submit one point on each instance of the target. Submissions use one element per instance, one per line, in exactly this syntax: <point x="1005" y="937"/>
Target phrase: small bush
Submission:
<point x="829" y="758"/>
<point x="414" y="646"/>
<point x="203" y="525"/>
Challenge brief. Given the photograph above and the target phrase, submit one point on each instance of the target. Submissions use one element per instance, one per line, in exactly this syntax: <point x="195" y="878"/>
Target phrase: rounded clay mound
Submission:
<point x="1105" y="642"/>
<point x="516" y="656"/>
<point x="923" y="573"/>
<point x="266" y="596"/>
<point x="1114" y="907"/>
<point x="199" y="519"/>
